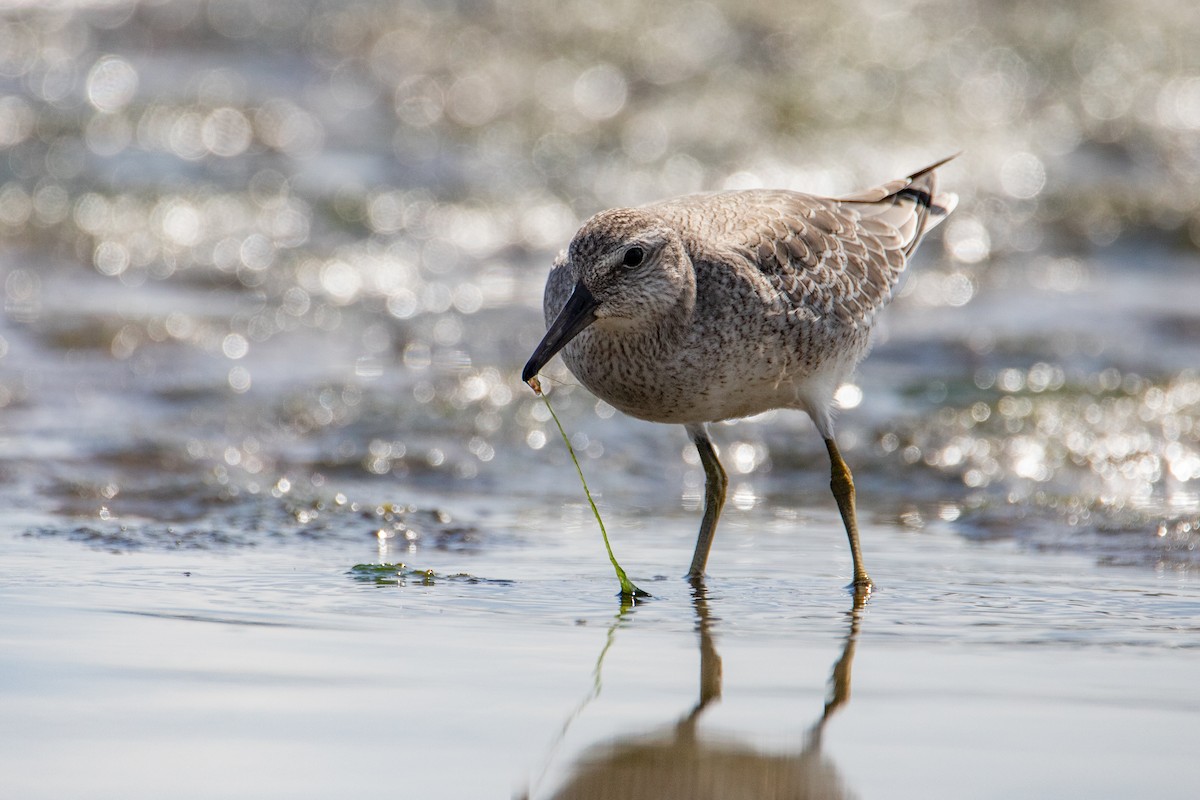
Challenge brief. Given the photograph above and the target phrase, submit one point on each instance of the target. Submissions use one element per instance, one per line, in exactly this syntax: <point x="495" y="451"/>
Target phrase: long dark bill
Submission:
<point x="577" y="314"/>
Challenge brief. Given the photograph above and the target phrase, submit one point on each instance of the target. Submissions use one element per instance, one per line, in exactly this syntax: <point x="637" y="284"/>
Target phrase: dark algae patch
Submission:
<point x="389" y="574"/>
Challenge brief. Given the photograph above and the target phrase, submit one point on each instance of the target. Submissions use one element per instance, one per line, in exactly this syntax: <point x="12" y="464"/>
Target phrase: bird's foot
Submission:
<point x="861" y="588"/>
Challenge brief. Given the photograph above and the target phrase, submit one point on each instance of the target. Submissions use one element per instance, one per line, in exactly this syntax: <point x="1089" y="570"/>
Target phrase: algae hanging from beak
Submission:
<point x="629" y="591"/>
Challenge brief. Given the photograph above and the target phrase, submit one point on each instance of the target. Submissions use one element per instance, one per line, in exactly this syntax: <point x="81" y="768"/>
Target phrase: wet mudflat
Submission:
<point x="977" y="669"/>
<point x="279" y="518"/>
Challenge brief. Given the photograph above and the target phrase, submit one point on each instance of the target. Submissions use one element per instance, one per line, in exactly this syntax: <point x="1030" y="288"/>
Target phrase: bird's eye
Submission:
<point x="633" y="257"/>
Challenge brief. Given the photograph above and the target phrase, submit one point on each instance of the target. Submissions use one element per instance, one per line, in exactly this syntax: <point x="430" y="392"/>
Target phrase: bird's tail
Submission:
<point x="911" y="205"/>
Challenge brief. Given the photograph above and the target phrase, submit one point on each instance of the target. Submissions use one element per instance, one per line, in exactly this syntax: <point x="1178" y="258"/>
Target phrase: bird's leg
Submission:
<point x="842" y="484"/>
<point x="715" y="482"/>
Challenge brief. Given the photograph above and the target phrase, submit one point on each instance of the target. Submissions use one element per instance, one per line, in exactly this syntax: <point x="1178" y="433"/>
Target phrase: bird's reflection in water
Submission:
<point x="679" y="763"/>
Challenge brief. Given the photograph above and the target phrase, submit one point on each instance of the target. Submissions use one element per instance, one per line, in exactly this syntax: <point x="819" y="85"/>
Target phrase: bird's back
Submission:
<point x="832" y="259"/>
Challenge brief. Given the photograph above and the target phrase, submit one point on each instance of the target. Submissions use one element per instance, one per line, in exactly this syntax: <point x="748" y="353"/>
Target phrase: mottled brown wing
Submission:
<point x="821" y="257"/>
<point x="834" y="259"/>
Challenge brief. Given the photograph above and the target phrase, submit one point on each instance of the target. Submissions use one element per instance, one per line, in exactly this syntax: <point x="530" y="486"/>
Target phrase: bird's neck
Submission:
<point x="628" y="352"/>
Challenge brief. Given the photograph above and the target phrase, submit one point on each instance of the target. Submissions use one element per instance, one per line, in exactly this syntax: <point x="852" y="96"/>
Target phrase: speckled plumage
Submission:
<point x="715" y="306"/>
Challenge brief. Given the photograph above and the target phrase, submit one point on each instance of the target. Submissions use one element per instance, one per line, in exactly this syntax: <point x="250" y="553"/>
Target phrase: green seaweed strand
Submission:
<point x="628" y="590"/>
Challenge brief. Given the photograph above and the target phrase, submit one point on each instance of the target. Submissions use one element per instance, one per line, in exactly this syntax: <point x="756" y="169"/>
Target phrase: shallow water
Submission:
<point x="269" y="278"/>
<point x="979" y="670"/>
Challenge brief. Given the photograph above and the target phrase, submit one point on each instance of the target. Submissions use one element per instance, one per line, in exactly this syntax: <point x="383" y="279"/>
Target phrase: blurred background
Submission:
<point x="271" y="268"/>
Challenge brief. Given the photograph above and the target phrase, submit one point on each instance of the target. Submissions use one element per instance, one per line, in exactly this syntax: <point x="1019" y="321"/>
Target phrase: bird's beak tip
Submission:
<point x="577" y="314"/>
<point x="530" y="372"/>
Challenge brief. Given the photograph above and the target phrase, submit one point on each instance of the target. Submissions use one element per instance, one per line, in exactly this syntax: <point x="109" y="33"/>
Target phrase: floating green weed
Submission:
<point x="404" y="575"/>
<point x="628" y="590"/>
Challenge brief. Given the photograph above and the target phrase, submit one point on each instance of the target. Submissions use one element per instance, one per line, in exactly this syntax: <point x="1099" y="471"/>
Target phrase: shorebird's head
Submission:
<point x="630" y="267"/>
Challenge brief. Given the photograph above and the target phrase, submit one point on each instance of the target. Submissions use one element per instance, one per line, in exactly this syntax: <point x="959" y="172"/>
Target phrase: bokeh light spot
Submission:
<point x="1022" y="176"/>
<point x="235" y="346"/>
<point x="111" y="84"/>
<point x="600" y="92"/>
